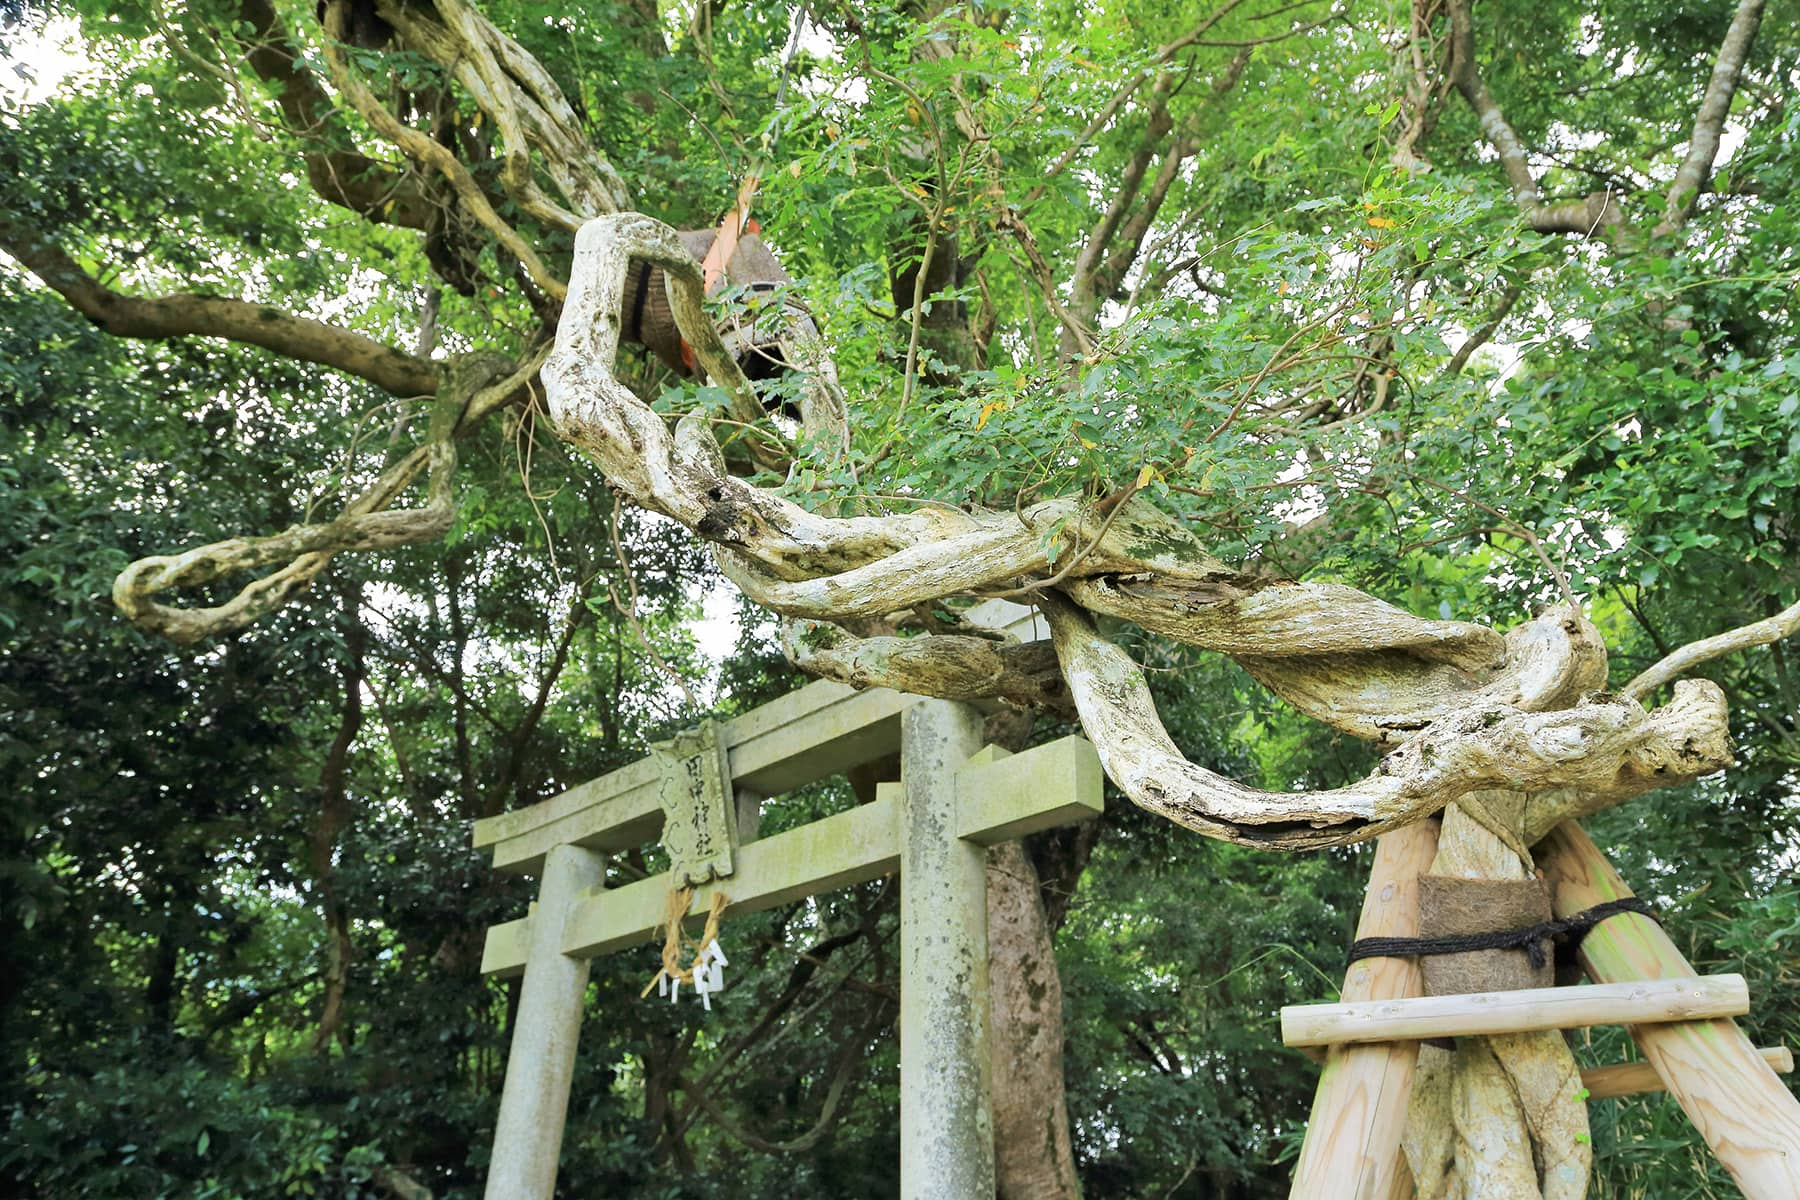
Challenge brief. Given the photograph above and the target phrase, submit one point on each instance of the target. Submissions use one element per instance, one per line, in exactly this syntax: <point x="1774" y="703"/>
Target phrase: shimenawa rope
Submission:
<point x="707" y="956"/>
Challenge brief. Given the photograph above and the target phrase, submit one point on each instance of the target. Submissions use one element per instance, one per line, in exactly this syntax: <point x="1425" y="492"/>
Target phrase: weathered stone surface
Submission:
<point x="695" y="794"/>
<point x="946" y="1113"/>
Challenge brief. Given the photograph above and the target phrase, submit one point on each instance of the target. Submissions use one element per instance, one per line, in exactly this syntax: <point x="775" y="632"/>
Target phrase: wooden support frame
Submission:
<point x="1729" y="1089"/>
<point x="1640" y="1078"/>
<point x="1352" y="1147"/>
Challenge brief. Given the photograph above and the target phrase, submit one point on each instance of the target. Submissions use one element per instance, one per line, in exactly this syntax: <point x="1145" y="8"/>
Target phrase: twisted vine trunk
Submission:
<point x="1497" y="1116"/>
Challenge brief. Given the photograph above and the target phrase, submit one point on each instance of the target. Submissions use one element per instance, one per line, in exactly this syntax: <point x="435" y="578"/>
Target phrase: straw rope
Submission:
<point x="673" y="938"/>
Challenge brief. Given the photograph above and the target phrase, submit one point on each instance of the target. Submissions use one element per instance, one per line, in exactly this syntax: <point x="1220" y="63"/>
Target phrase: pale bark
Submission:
<point x="1709" y="119"/>
<point x="1599" y="212"/>
<point x="1783" y="624"/>
<point x="949" y="666"/>
<point x="366" y="523"/>
<point x="1499" y="1116"/>
<point x="1614" y="747"/>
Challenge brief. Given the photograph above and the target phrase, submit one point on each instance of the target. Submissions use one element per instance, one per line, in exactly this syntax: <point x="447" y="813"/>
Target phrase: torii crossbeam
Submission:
<point x="953" y="800"/>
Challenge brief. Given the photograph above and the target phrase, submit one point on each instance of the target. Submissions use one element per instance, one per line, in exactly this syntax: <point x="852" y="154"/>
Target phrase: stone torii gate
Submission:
<point x="954" y="799"/>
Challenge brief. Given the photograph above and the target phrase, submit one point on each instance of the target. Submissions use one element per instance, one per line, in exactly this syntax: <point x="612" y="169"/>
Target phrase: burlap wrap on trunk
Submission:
<point x="1451" y="907"/>
<point x="752" y="339"/>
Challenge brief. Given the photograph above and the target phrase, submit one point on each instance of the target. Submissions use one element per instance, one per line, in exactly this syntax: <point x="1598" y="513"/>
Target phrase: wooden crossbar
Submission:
<point x="1640" y="1078"/>
<point x="834" y="852"/>
<point x="1481" y="1014"/>
<point x="819" y="731"/>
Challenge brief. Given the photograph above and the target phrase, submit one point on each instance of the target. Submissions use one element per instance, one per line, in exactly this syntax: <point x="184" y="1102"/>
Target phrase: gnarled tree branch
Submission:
<point x="1611" y="750"/>
<point x="1584" y="217"/>
<point x="181" y="315"/>
<point x="352" y="180"/>
<point x="1783" y="624"/>
<point x="1472" y="705"/>
<point x="1709" y="120"/>
<point x="1470" y="709"/>
<point x="428" y="153"/>
<point x="526" y="105"/>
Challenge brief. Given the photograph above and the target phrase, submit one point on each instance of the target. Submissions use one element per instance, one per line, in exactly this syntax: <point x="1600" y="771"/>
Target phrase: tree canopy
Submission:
<point x="1340" y="381"/>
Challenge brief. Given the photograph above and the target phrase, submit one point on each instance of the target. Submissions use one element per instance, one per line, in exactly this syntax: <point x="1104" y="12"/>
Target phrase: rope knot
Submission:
<point x="705" y="972"/>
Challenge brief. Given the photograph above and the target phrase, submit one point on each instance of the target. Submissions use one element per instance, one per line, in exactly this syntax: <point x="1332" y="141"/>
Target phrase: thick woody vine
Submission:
<point x="1464" y="708"/>
<point x="1476" y="711"/>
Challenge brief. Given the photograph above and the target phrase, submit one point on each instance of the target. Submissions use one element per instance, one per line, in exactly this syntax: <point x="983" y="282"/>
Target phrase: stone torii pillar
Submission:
<point x="541" y="1063"/>
<point x="955" y="799"/>
<point x="946" y="1097"/>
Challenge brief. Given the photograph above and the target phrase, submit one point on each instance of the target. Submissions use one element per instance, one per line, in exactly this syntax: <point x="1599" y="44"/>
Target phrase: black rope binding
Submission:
<point x="1530" y="939"/>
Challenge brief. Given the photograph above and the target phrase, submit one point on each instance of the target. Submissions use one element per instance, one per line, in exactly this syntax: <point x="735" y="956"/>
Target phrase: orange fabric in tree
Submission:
<point x="718" y="257"/>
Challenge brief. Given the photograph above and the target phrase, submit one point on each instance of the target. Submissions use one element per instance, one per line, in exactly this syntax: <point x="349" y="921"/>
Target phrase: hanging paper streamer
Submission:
<point x="706" y="974"/>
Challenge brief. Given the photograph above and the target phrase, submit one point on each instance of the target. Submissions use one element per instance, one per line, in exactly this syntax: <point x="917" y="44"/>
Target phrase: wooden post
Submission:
<point x="1352" y="1148"/>
<point x="946" y="1110"/>
<point x="1741" y="1107"/>
<point x="535" y="1099"/>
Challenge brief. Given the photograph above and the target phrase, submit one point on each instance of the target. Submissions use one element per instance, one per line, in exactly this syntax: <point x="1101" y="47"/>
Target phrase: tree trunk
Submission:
<point x="1033" y="1158"/>
<point x="1500" y="1117"/>
<point x="334" y="815"/>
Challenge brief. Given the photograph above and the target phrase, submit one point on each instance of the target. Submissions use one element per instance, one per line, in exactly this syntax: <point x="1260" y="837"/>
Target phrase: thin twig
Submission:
<point x="1531" y="539"/>
<point x="630" y="612"/>
<point x="1118" y="506"/>
<point x="1480" y="337"/>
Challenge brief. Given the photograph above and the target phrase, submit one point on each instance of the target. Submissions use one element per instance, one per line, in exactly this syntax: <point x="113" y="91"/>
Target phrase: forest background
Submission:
<point x="1464" y="333"/>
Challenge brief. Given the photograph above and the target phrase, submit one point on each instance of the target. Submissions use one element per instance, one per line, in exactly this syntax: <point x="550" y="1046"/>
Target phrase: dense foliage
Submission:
<point x="241" y="920"/>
